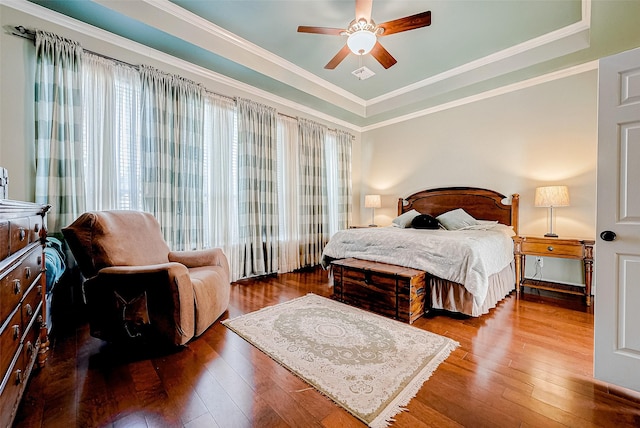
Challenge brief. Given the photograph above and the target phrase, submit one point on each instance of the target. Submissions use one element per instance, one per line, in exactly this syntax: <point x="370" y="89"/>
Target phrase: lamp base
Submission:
<point x="550" y="235"/>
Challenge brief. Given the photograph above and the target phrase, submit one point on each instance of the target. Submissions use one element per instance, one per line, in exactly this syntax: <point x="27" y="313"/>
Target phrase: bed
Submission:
<point x="472" y="285"/>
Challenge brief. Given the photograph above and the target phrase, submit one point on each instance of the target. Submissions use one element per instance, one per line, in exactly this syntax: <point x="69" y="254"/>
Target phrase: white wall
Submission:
<point x="511" y="143"/>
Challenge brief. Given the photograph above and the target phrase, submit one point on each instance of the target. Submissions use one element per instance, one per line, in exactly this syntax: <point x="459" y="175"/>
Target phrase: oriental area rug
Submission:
<point x="370" y="365"/>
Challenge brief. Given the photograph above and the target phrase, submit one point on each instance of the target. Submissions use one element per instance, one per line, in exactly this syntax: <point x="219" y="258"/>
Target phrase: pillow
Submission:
<point x="425" y="221"/>
<point x="404" y="220"/>
<point x="456" y="219"/>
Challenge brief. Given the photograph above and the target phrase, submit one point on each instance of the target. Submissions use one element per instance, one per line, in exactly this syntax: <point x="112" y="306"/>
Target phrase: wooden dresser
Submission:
<point x="23" y="332"/>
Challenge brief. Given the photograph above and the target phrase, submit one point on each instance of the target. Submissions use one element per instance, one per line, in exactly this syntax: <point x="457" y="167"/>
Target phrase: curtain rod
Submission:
<point x="29" y="34"/>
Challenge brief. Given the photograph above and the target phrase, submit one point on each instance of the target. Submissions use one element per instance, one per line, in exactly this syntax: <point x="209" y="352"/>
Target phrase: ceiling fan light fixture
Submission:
<point x="361" y="42"/>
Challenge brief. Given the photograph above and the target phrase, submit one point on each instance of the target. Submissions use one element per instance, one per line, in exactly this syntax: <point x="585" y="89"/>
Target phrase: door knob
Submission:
<point x="608" y="235"/>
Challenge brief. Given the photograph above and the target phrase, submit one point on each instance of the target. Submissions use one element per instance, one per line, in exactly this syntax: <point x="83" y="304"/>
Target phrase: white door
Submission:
<point x="617" y="261"/>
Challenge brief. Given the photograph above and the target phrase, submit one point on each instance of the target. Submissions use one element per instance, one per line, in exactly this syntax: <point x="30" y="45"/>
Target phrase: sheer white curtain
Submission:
<point x="222" y="179"/>
<point x="58" y="121"/>
<point x="111" y="105"/>
<point x="288" y="188"/>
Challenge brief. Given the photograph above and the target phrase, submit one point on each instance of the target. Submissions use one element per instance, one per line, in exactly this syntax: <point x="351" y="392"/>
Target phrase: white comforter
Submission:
<point x="467" y="257"/>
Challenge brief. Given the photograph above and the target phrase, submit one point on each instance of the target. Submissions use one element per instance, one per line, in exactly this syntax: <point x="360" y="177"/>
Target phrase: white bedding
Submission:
<point x="467" y="257"/>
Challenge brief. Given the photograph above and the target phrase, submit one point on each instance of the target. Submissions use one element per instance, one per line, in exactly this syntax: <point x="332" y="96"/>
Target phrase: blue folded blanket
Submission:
<point x="54" y="261"/>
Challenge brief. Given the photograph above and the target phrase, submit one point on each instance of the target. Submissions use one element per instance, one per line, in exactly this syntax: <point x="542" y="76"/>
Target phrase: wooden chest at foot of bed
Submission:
<point x="394" y="291"/>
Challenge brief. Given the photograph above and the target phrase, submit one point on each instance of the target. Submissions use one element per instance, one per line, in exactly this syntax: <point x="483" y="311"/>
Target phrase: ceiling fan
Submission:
<point x="363" y="34"/>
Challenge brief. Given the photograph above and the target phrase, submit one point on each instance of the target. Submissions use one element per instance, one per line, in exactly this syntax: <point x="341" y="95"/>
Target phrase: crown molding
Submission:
<point x="549" y="77"/>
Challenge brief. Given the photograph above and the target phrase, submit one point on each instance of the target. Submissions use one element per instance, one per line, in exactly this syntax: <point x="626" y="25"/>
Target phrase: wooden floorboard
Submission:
<point x="528" y="363"/>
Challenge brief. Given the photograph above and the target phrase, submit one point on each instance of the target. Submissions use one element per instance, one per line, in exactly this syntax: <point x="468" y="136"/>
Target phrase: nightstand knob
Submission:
<point x="550" y="248"/>
<point x="608" y="235"/>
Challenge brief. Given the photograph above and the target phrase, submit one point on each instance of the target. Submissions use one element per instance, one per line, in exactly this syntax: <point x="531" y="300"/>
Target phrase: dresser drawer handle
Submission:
<point x="27" y="272"/>
<point x="16" y="331"/>
<point x="550" y="248"/>
<point x="29" y="310"/>
<point x="23" y="234"/>
<point x="36" y="228"/>
<point x="29" y="348"/>
<point x="18" y="377"/>
<point x="39" y="261"/>
<point x="17" y="288"/>
<point x="39" y="289"/>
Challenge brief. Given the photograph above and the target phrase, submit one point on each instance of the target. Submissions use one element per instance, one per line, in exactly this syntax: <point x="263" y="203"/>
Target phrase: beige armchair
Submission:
<point x="136" y="287"/>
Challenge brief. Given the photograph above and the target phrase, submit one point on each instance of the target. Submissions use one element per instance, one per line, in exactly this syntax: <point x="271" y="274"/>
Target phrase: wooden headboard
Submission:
<point x="481" y="204"/>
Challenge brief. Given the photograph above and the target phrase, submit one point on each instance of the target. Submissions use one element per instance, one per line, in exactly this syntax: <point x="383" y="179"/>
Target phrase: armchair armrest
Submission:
<point x="199" y="258"/>
<point x="132" y="300"/>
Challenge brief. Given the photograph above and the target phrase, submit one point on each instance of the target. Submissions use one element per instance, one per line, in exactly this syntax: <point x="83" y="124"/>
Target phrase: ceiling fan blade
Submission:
<point x="382" y="55"/>
<point x="342" y="54"/>
<point x="407" y="23"/>
<point x="363" y="9"/>
<point x="321" y="30"/>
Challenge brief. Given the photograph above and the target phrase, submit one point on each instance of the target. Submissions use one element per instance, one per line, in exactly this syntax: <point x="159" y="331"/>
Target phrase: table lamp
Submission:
<point x="551" y="197"/>
<point x="373" y="202"/>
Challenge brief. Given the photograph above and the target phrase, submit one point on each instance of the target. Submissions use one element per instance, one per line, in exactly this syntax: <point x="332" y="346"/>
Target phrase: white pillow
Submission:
<point x="404" y="220"/>
<point x="456" y="219"/>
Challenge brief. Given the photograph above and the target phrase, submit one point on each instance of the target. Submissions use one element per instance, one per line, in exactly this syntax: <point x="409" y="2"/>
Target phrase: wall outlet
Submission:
<point x="539" y="261"/>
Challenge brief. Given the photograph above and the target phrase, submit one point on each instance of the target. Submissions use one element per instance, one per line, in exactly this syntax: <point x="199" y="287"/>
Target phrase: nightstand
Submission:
<point x="579" y="249"/>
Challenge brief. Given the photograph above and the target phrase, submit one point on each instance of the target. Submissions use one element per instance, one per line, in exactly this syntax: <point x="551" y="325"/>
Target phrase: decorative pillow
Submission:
<point x="404" y="220"/>
<point x="456" y="219"/>
<point x="425" y="221"/>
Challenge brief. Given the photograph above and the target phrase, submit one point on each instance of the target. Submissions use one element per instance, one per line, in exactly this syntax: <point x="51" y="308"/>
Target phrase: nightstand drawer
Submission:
<point x="552" y="249"/>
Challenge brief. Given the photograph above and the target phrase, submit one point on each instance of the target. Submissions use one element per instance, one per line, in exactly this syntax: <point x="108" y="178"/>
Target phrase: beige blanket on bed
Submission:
<point x="467" y="257"/>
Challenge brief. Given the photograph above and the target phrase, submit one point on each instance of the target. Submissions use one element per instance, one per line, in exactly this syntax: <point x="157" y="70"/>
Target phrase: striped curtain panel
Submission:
<point x="257" y="188"/>
<point x="58" y="125"/>
<point x="173" y="159"/>
<point x="313" y="199"/>
<point x="342" y="149"/>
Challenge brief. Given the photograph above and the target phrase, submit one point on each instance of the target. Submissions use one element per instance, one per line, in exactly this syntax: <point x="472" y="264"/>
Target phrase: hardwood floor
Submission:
<point x="528" y="363"/>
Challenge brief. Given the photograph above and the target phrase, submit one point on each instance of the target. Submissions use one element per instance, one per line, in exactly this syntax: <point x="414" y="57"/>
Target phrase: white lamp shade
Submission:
<point x="372" y="201"/>
<point x="552" y="196"/>
<point x="361" y="42"/>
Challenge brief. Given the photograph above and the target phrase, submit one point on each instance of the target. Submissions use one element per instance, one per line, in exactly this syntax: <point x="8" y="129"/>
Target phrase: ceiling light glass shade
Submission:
<point x="361" y="42"/>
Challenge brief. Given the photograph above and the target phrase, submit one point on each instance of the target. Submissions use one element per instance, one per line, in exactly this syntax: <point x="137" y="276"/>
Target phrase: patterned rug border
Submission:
<point x="398" y="404"/>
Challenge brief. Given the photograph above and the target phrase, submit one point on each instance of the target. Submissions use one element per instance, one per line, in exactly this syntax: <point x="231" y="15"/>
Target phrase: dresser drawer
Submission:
<point x="35" y="225"/>
<point x="558" y="249"/>
<point x="18" y="278"/>
<point x="4" y="239"/>
<point x="10" y="339"/>
<point x="13" y="382"/>
<point x="18" y="234"/>
<point x="31" y="305"/>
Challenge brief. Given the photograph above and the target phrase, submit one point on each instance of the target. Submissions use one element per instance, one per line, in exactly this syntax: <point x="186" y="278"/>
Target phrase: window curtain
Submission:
<point x="288" y="176"/>
<point x="313" y="200"/>
<point x="339" y="177"/>
<point x="111" y="105"/>
<point x="173" y="157"/>
<point x="222" y="179"/>
<point x="58" y="125"/>
<point x="257" y="188"/>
